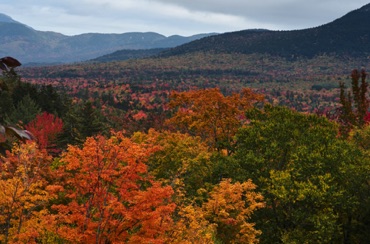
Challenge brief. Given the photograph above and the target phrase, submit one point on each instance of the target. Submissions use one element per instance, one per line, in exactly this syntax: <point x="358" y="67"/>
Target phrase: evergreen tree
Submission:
<point x="25" y="111"/>
<point x="92" y="121"/>
<point x="71" y="133"/>
<point x="81" y="121"/>
<point x="354" y="104"/>
<point x="6" y="104"/>
<point x="52" y="101"/>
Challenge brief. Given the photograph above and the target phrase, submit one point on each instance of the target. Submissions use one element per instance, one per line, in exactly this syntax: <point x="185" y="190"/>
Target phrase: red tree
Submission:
<point x="45" y="127"/>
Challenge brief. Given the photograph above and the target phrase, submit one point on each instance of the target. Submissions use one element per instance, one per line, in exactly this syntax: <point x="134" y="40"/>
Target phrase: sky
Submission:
<point x="175" y="17"/>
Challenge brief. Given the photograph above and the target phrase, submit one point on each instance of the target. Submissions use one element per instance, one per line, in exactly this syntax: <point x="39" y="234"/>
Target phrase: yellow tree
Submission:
<point x="211" y="115"/>
<point x="192" y="227"/>
<point x="223" y="218"/>
<point x="23" y="194"/>
<point x="230" y="207"/>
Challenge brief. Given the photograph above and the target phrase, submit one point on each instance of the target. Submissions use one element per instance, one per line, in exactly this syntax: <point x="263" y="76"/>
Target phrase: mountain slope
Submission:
<point x="32" y="46"/>
<point x="127" y="54"/>
<point x="348" y="35"/>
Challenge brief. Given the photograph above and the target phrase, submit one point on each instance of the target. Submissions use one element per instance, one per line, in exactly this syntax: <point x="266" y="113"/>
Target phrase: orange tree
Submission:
<point x="211" y="115"/>
<point x="106" y="196"/>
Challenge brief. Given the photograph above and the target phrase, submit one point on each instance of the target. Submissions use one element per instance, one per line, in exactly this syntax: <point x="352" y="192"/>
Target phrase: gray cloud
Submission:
<point x="185" y="17"/>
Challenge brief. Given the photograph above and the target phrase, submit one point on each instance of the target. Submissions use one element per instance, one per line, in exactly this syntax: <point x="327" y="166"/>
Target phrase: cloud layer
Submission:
<point x="168" y="17"/>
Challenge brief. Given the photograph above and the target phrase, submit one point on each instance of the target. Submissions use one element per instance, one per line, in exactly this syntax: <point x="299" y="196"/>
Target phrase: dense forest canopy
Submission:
<point x="205" y="148"/>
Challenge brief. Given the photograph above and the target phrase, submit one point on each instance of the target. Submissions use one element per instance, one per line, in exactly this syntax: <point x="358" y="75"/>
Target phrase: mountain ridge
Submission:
<point x="33" y="46"/>
<point x="348" y="35"/>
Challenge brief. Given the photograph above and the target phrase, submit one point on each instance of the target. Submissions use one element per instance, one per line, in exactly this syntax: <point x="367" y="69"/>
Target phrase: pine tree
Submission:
<point x="354" y="104"/>
<point x="25" y="111"/>
<point x="91" y="120"/>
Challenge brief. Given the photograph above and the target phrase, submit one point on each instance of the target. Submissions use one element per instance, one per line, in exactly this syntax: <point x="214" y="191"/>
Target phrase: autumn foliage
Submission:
<point x="23" y="194"/>
<point x="230" y="208"/>
<point x="106" y="195"/>
<point x="221" y="169"/>
<point x="46" y="127"/>
<point x="211" y="115"/>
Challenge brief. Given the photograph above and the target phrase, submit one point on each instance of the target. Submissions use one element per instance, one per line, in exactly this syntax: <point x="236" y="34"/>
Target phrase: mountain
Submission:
<point x="7" y="19"/>
<point x="127" y="54"/>
<point x="346" y="36"/>
<point x="32" y="46"/>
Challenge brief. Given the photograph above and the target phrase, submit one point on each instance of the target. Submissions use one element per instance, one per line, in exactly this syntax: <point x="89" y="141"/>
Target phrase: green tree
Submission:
<point x="81" y="121"/>
<point x="71" y="132"/>
<point x="25" y="111"/>
<point x="182" y="160"/>
<point x="314" y="183"/>
<point x="6" y="104"/>
<point x="355" y="103"/>
<point x="92" y="120"/>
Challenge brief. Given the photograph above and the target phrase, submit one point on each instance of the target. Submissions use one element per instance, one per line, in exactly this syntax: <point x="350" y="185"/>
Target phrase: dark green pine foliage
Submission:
<point x="53" y="102"/>
<point x="71" y="133"/>
<point x="20" y="101"/>
<point x="8" y="81"/>
<point x="26" y="108"/>
<point x="6" y="104"/>
<point x="25" y="111"/>
<point x="93" y="122"/>
<point x="354" y="104"/>
<point x="81" y="121"/>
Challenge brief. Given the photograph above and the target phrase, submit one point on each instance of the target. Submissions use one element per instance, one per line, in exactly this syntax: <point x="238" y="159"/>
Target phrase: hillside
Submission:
<point x="32" y="46"/>
<point x="346" y="36"/>
<point x="127" y="54"/>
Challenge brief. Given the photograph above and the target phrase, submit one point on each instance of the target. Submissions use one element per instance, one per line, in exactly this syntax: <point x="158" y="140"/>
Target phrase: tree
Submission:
<point x="91" y="120"/>
<point x="192" y="227"/>
<point x="25" y="111"/>
<point x="23" y="194"/>
<point x="71" y="131"/>
<point x="45" y="128"/>
<point x="6" y="104"/>
<point x="224" y="217"/>
<point x="106" y="195"/>
<point x="230" y="208"/>
<point x="354" y="105"/>
<point x="81" y="121"/>
<point x="210" y="115"/>
<point x="313" y="182"/>
<point x="181" y="160"/>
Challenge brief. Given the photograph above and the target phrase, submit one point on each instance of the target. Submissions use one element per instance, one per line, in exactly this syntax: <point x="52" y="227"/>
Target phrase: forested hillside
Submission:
<point x="179" y="150"/>
<point x="347" y="36"/>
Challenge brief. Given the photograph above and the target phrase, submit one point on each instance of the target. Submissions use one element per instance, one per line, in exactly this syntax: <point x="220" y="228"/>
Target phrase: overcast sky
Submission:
<point x="169" y="17"/>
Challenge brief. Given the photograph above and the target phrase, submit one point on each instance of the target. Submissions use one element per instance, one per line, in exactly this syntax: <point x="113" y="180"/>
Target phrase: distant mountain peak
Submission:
<point x="7" y="19"/>
<point x="365" y="8"/>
